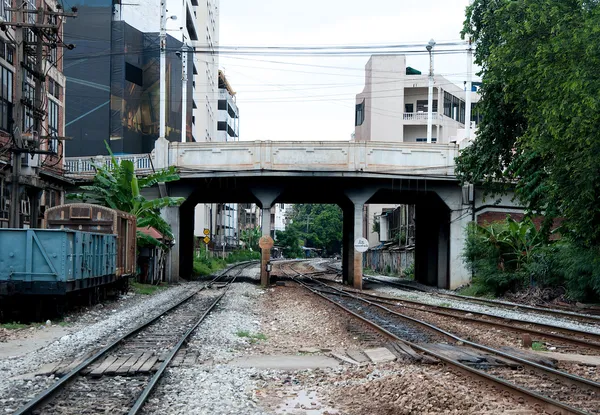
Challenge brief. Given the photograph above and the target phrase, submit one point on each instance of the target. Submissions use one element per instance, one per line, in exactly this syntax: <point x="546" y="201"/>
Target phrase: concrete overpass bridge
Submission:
<point x="348" y="173"/>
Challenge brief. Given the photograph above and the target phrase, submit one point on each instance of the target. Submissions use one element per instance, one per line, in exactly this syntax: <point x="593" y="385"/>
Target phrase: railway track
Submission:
<point x="554" y="391"/>
<point x="120" y="377"/>
<point x="562" y="313"/>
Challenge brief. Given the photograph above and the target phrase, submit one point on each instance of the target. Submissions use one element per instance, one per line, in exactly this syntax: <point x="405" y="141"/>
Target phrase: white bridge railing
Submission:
<point x="86" y="166"/>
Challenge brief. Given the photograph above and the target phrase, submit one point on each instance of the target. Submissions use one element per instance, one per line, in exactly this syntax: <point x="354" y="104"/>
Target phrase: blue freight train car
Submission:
<point x="55" y="262"/>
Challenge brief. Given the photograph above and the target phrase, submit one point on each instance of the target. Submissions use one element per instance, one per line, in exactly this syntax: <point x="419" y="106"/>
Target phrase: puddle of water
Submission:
<point x="304" y="403"/>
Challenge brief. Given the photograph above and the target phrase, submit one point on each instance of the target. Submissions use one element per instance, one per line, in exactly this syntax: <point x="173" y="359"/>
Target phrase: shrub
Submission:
<point x="409" y="272"/>
<point x="510" y="256"/>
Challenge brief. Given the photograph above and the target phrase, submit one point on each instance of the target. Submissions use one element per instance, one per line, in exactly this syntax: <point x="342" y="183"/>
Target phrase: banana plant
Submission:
<point x="118" y="187"/>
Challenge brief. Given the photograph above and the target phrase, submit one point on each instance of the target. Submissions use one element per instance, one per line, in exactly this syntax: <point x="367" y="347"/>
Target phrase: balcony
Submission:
<point x="421" y="117"/>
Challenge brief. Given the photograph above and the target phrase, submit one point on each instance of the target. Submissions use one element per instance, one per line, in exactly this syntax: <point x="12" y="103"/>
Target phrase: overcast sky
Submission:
<point x="302" y="100"/>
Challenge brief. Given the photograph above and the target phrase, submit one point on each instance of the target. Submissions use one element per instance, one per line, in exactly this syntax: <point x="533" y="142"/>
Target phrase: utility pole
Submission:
<point x="47" y="35"/>
<point x="184" y="81"/>
<point x="468" y="92"/>
<point x="14" y="218"/>
<point x="429" y="47"/>
<point x="163" y="70"/>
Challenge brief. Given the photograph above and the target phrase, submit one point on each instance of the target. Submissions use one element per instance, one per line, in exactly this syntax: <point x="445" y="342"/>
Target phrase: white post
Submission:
<point x="163" y="69"/>
<point x="430" y="92"/>
<point x="468" y="92"/>
<point x="184" y="79"/>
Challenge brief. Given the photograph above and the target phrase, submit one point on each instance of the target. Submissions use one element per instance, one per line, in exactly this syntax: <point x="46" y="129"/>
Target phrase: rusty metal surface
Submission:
<point x="87" y="217"/>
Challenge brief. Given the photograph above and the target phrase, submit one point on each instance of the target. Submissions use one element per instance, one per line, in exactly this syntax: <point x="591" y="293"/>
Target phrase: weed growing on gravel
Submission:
<point x="538" y="347"/>
<point x="145" y="289"/>
<point x="253" y="338"/>
<point x="445" y="305"/>
<point x="15" y="325"/>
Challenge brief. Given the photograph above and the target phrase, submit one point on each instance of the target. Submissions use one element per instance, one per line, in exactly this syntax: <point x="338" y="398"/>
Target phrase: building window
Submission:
<point x="10" y="54"/>
<point x="409" y="107"/>
<point x="424" y="140"/>
<point x="7" y="5"/>
<point x="29" y="97"/>
<point x="422" y="105"/>
<point x="54" y="88"/>
<point x="447" y="105"/>
<point x="6" y="99"/>
<point x="360" y="114"/>
<point x="53" y="110"/>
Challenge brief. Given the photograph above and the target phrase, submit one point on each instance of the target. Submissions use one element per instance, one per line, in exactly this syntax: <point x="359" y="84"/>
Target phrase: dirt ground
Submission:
<point x="296" y="319"/>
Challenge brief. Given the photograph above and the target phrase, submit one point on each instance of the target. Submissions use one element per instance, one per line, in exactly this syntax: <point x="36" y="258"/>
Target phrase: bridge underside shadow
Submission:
<point x="440" y="215"/>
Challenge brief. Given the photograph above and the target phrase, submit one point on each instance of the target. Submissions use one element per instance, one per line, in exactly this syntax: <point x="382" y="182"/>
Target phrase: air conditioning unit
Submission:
<point x="30" y="160"/>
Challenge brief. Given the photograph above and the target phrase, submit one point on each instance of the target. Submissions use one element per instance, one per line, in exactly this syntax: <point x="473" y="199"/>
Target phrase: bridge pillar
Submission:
<point x="353" y="229"/>
<point x="266" y="197"/>
<point x="172" y="217"/>
<point x="459" y="219"/>
<point x="186" y="240"/>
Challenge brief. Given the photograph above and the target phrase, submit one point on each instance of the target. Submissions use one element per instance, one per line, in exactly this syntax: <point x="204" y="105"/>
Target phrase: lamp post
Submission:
<point x="429" y="47"/>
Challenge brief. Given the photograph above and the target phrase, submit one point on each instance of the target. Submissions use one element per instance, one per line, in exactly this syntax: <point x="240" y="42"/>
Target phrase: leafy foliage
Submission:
<point x="250" y="237"/>
<point x="541" y="113"/>
<point x="510" y="255"/>
<point x="315" y="225"/>
<point x="118" y="187"/>
<point x="498" y="253"/>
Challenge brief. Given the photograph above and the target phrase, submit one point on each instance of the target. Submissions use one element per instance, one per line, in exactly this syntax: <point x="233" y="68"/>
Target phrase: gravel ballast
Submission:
<point x="93" y="330"/>
<point x="213" y="387"/>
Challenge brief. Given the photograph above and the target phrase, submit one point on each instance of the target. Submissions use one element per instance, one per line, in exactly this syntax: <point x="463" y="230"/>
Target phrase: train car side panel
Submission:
<point x="54" y="262"/>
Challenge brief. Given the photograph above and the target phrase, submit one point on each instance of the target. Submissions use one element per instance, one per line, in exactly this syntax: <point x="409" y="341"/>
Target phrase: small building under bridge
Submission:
<point x="348" y="173"/>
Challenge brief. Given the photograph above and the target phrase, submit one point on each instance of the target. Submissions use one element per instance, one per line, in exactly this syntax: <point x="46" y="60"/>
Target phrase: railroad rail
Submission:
<point x="583" y="339"/>
<point x="123" y="381"/>
<point x="554" y="391"/>
<point x="576" y="316"/>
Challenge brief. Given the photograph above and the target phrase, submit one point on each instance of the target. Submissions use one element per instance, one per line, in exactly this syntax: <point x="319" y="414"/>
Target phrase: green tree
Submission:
<point x="250" y="237"/>
<point x="319" y="226"/>
<point x="291" y="242"/>
<point x="118" y="187"/>
<point x="540" y="107"/>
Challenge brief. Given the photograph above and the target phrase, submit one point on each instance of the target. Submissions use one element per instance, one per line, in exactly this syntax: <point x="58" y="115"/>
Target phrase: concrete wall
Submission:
<point x="406" y="158"/>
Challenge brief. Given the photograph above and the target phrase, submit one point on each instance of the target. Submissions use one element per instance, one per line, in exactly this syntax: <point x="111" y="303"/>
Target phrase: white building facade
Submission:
<point x="393" y="104"/>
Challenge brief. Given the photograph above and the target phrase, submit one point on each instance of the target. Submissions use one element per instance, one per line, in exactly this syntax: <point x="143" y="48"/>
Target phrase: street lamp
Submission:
<point x="429" y="48"/>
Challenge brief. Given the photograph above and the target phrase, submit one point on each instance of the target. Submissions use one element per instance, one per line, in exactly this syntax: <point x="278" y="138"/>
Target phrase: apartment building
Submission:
<point x="41" y="175"/>
<point x="228" y="126"/>
<point x="393" y="104"/>
<point x="114" y="72"/>
<point x="280" y="216"/>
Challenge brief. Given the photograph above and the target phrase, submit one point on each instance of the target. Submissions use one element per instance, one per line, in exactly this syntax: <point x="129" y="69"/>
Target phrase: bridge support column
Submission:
<point x="267" y="198"/>
<point x="354" y="228"/>
<point x="460" y="218"/>
<point x="172" y="217"/>
<point x="186" y="241"/>
<point x="432" y="244"/>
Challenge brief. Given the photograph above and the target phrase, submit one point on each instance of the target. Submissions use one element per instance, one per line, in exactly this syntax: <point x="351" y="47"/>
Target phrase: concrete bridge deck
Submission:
<point x="347" y="173"/>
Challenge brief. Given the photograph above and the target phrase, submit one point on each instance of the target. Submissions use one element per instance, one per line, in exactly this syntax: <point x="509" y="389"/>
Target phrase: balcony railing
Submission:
<point x="421" y="116"/>
<point x="86" y="166"/>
